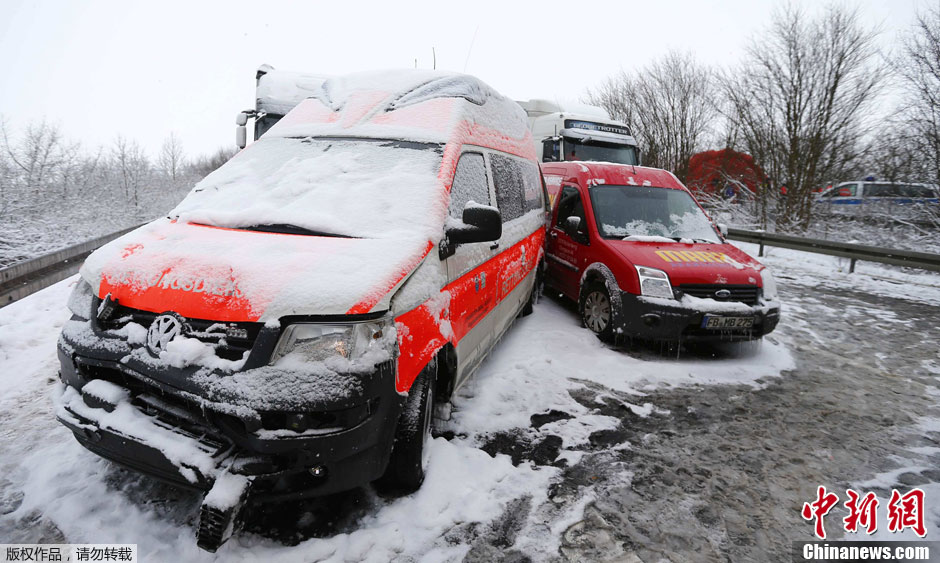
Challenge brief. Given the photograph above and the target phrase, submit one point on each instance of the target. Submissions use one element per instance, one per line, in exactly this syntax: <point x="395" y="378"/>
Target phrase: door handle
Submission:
<point x="553" y="234"/>
<point x="494" y="246"/>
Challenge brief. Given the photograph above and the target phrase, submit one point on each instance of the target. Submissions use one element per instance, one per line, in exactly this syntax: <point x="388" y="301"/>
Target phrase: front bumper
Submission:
<point x="189" y="439"/>
<point x="660" y="319"/>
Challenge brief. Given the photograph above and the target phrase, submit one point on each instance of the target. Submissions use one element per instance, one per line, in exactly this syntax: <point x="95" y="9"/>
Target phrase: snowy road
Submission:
<point x="559" y="447"/>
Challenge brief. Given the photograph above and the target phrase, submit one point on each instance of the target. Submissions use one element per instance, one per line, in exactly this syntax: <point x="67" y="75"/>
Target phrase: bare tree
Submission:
<point x="918" y="64"/>
<point x="42" y="157"/>
<point x="170" y="159"/>
<point x="204" y="165"/>
<point x="132" y="166"/>
<point x="669" y="105"/>
<point x="800" y="101"/>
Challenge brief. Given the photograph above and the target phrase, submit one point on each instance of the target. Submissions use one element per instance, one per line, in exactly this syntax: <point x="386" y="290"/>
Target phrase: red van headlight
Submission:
<point x="654" y="283"/>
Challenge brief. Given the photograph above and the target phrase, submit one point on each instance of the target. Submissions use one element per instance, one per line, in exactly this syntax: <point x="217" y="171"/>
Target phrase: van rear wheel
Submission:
<point x="409" y="459"/>
<point x="597" y="311"/>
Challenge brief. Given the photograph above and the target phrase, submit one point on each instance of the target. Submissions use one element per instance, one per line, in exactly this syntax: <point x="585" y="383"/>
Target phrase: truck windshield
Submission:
<point x="577" y="149"/>
<point x="363" y="188"/>
<point x="641" y="211"/>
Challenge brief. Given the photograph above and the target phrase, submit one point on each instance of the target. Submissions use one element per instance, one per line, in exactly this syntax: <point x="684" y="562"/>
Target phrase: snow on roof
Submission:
<point x="413" y="105"/>
<point x="279" y="91"/>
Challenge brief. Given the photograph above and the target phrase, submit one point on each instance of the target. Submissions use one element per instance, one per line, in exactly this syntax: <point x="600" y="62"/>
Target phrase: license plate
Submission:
<point x="725" y="323"/>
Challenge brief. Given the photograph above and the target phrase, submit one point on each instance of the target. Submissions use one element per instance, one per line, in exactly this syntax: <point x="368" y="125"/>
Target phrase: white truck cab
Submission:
<point x="588" y="133"/>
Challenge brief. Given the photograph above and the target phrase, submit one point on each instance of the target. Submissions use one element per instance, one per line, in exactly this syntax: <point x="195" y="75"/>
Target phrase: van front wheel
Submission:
<point x="597" y="313"/>
<point x="409" y="459"/>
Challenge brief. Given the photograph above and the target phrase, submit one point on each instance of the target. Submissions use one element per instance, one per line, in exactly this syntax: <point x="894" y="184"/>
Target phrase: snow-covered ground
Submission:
<point x="53" y="490"/>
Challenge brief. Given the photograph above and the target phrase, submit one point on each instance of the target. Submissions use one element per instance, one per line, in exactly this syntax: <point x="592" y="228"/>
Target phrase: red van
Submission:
<point x="284" y="332"/>
<point x="640" y="257"/>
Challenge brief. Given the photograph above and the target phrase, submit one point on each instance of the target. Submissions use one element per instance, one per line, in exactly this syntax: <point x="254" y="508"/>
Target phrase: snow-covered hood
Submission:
<point x="698" y="263"/>
<point x="236" y="275"/>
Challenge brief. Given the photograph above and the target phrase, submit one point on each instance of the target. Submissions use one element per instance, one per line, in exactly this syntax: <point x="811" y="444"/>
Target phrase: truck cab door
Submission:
<point x="566" y="249"/>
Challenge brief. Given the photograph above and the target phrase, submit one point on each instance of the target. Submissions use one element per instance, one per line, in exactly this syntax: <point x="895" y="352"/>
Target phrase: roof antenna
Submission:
<point x="434" y="57"/>
<point x="416" y="63"/>
<point x="470" y="50"/>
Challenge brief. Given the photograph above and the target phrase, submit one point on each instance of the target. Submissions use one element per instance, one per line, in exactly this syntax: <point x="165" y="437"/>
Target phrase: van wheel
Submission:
<point x="537" y="289"/>
<point x="530" y="302"/>
<point x="409" y="459"/>
<point x="597" y="312"/>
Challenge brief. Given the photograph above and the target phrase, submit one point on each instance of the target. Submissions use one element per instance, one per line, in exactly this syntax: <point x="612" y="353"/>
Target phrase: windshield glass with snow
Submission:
<point x="362" y="188"/>
<point x="641" y="211"/>
<point x="578" y="149"/>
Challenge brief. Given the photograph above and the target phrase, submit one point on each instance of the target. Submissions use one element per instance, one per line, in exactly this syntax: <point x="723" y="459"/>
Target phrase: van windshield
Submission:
<point x="363" y="188"/>
<point x="577" y="149"/>
<point x="641" y="211"/>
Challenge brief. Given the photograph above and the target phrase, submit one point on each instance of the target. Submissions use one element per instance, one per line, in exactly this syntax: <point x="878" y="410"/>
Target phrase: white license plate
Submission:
<point x="725" y="323"/>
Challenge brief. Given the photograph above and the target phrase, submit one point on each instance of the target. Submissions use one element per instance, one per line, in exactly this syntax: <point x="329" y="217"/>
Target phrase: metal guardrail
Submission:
<point x="28" y="277"/>
<point x="854" y="252"/>
<point x="25" y="278"/>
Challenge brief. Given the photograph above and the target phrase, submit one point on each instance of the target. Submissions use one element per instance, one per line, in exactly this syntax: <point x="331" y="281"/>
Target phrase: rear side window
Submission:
<point x="518" y="186"/>
<point x="882" y="190"/>
<point x="469" y="184"/>
<point x="908" y="190"/>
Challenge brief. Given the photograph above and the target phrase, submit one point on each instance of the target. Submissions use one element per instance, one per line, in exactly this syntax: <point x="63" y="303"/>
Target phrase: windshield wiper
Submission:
<point x="287" y="229"/>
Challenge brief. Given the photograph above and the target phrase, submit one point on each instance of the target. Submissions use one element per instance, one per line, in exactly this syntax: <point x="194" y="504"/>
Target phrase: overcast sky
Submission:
<point x="144" y="69"/>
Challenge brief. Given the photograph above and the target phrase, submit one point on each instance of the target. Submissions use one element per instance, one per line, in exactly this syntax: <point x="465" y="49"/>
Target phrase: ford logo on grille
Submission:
<point x="162" y="330"/>
<point x="722" y="294"/>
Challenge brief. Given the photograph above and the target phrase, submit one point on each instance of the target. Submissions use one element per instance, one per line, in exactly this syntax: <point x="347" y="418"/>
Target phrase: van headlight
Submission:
<point x="317" y="342"/>
<point x="654" y="283"/>
<point x="770" y="285"/>
<point x="81" y="300"/>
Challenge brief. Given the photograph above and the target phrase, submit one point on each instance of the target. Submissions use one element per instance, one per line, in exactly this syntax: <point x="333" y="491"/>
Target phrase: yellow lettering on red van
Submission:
<point x="692" y="256"/>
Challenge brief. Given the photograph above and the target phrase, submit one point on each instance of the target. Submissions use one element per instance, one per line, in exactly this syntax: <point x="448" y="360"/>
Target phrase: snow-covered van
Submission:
<point x="581" y="133"/>
<point x="284" y="331"/>
<point x="637" y="253"/>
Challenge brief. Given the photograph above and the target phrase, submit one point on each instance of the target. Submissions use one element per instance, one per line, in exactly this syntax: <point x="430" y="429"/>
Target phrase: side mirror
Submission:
<point x="480" y="224"/>
<point x="571" y="225"/>
<point x="723" y="229"/>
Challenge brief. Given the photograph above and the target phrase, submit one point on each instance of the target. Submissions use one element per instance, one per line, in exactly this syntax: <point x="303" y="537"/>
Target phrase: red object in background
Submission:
<point x="710" y="171"/>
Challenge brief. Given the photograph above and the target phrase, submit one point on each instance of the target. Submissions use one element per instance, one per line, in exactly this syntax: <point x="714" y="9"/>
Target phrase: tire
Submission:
<point x="409" y="459"/>
<point x="534" y="294"/>
<point x="597" y="312"/>
<point x="530" y="302"/>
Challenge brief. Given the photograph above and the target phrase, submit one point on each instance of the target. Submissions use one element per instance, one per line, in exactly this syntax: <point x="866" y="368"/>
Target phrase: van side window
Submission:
<point x="518" y="186"/>
<point x="879" y="190"/>
<point x="469" y="184"/>
<point x="848" y="190"/>
<point x="531" y="186"/>
<point x="509" y="188"/>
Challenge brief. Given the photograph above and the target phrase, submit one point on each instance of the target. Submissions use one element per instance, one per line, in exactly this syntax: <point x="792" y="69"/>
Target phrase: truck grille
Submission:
<point x="230" y="340"/>
<point x="748" y="294"/>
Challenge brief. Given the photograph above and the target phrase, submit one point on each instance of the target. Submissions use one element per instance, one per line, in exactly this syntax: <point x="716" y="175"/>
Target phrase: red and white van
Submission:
<point x="301" y="309"/>
<point x="638" y="254"/>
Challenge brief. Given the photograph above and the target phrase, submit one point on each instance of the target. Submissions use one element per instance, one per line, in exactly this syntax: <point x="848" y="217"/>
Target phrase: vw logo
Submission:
<point x="162" y="330"/>
<point x="722" y="294"/>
